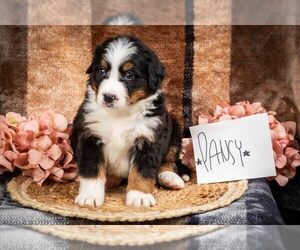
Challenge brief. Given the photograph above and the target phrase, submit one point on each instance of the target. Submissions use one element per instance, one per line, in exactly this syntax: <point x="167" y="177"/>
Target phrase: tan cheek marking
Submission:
<point x="127" y="66"/>
<point x="94" y="86"/>
<point x="136" y="96"/>
<point x="137" y="182"/>
<point x="102" y="173"/>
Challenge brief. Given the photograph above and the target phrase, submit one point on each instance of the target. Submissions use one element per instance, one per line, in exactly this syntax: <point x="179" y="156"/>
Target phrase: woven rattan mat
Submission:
<point x="58" y="198"/>
<point x="124" y="235"/>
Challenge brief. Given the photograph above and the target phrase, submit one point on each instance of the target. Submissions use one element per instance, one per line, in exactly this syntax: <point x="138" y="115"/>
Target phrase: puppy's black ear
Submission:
<point x="156" y="73"/>
<point x="90" y="69"/>
<point x="96" y="57"/>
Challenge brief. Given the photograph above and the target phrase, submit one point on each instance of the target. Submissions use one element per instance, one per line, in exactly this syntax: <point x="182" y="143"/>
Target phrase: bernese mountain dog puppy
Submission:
<point x="122" y="128"/>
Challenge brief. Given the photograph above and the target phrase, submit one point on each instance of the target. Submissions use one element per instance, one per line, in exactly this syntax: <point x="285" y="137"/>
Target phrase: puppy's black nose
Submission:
<point x="109" y="98"/>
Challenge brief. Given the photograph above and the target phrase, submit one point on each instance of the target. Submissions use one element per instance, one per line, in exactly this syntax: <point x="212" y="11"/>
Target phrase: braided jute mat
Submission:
<point x="125" y="235"/>
<point x="59" y="198"/>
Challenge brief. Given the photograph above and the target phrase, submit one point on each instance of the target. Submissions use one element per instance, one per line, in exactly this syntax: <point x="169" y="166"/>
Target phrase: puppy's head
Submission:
<point x="123" y="72"/>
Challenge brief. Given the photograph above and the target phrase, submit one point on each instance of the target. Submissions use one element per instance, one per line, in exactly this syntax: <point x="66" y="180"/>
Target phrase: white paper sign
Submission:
<point x="233" y="150"/>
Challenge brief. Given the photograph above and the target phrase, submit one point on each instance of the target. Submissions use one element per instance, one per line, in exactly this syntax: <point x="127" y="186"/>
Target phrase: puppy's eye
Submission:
<point x="129" y="75"/>
<point x="102" y="71"/>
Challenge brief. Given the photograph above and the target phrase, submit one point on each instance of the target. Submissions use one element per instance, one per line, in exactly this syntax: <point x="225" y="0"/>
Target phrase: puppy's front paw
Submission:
<point x="91" y="193"/>
<point x="89" y="200"/>
<point x="171" y="180"/>
<point x="139" y="199"/>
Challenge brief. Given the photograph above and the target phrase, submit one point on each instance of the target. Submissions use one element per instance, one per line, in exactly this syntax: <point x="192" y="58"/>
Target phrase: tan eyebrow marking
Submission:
<point x="127" y="66"/>
<point x="103" y="63"/>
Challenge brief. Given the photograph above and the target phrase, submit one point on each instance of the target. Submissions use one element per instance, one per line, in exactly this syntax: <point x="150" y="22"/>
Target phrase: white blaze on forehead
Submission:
<point x="118" y="51"/>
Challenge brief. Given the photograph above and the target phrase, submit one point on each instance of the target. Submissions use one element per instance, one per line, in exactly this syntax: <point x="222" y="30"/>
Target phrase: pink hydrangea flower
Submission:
<point x="38" y="146"/>
<point x="285" y="147"/>
<point x="14" y="119"/>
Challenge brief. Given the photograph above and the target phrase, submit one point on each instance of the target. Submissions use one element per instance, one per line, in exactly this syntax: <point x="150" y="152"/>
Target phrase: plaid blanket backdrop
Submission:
<point x="43" y="66"/>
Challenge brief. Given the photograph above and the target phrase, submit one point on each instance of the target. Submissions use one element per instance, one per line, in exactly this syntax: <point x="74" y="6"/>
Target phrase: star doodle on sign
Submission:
<point x="199" y="162"/>
<point x="246" y="153"/>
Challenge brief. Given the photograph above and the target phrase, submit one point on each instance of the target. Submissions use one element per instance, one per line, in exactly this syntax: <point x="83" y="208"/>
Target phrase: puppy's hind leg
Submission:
<point x="168" y="178"/>
<point x="167" y="175"/>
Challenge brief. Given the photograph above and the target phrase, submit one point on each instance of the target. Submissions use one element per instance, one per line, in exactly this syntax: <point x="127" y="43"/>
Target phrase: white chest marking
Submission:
<point x="118" y="131"/>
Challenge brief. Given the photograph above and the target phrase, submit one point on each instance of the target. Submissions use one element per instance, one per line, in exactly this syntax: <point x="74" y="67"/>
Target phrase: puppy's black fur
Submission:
<point x="146" y="155"/>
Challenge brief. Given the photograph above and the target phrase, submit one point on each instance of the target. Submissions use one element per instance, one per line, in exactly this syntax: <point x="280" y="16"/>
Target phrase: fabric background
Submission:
<point x="43" y="67"/>
<point x="13" y="69"/>
<point x="211" y="71"/>
<point x="56" y="63"/>
<point x="154" y="12"/>
<point x="265" y="68"/>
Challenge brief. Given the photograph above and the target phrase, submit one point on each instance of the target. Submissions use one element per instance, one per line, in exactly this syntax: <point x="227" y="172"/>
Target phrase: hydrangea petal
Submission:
<point x="24" y="139"/>
<point x="67" y="159"/>
<point x="29" y="166"/>
<point x="290" y="152"/>
<point x="54" y="152"/>
<point x="281" y="180"/>
<point x="237" y="110"/>
<point x="32" y="126"/>
<point x="281" y="161"/>
<point x="10" y="155"/>
<point x="203" y="119"/>
<point x="277" y="148"/>
<point x="61" y="135"/>
<point x="69" y="166"/>
<point x="45" y="120"/>
<point x="58" y="172"/>
<point x="249" y="109"/>
<point x="35" y="156"/>
<point x="44" y="143"/>
<point x="57" y="179"/>
<point x="295" y="163"/>
<point x="21" y="160"/>
<point x="225" y="118"/>
<point x="6" y="163"/>
<point x="60" y="122"/>
<point x="46" y="174"/>
<point x="14" y="119"/>
<point x="46" y="163"/>
<point x="280" y="130"/>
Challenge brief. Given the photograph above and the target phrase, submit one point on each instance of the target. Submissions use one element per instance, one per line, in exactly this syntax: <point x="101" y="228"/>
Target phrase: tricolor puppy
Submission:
<point x="122" y="127"/>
